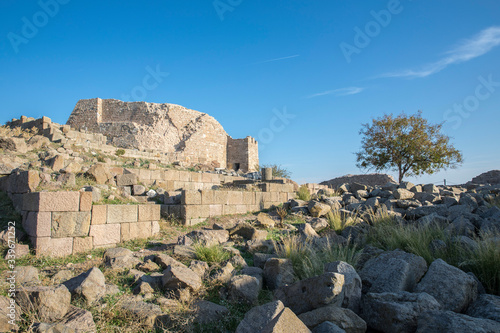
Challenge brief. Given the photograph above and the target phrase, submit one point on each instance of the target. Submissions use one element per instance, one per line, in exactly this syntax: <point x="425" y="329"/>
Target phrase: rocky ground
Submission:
<point x="392" y="258"/>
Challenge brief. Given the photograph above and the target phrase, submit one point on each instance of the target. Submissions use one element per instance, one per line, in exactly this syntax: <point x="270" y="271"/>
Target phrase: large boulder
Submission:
<point x="90" y="285"/>
<point x="392" y="271"/>
<point x="271" y="317"/>
<point x="396" y="312"/>
<point x="343" y="318"/>
<point x="244" y="289"/>
<point x="449" y="321"/>
<point x="100" y="173"/>
<point x="206" y="312"/>
<point x="352" y="284"/>
<point x="49" y="303"/>
<point x="145" y="313"/>
<point x="119" y="258"/>
<point x="450" y="286"/>
<point x="180" y="277"/>
<point x="312" y="293"/>
<point x="278" y="272"/>
<point x="486" y="306"/>
<point x="318" y="209"/>
<point x="403" y="194"/>
<point x="27" y="275"/>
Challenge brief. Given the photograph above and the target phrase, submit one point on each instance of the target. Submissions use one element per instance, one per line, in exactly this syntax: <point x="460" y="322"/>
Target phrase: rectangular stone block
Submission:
<point x="82" y="244"/>
<point x="135" y="230"/>
<point x="215" y="210"/>
<point x="221" y="197"/>
<point x="24" y="181"/>
<point x="215" y="178"/>
<point x="283" y="197"/>
<point x="155" y="174"/>
<point x="170" y="175"/>
<point x="116" y="171"/>
<point x="126" y="180"/>
<point x="197" y="177"/>
<point x="85" y="201"/>
<point x="195" y="211"/>
<point x="229" y="209"/>
<point x="155" y="228"/>
<point x="149" y="213"/>
<point x="266" y="197"/>
<point x="249" y="198"/>
<point x="99" y="214"/>
<point x="235" y="198"/>
<point x="192" y="222"/>
<point x="144" y="174"/>
<point x="198" y="186"/>
<point x="291" y="196"/>
<point x="37" y="224"/>
<point x="206" y="178"/>
<point x="52" y="202"/>
<point x="189" y="186"/>
<point x="191" y="197"/>
<point x="70" y="224"/>
<point x="258" y="197"/>
<point x="55" y="247"/>
<point x="131" y="171"/>
<point x="105" y="234"/>
<point x="178" y="185"/>
<point x="207" y="197"/>
<point x="241" y="209"/>
<point x="275" y="196"/>
<point x="185" y="176"/>
<point x="121" y="214"/>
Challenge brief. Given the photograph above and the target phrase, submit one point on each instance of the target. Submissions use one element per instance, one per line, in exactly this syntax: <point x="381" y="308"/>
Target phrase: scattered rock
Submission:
<point x="312" y="293"/>
<point x="179" y="277"/>
<point x="343" y="318"/>
<point x="206" y="312"/>
<point x="486" y="306"/>
<point x="352" y="284"/>
<point x="120" y="258"/>
<point x="244" y="289"/>
<point x="50" y="303"/>
<point x="90" y="285"/>
<point x="278" y="273"/>
<point x="448" y="321"/>
<point x="450" y="286"/>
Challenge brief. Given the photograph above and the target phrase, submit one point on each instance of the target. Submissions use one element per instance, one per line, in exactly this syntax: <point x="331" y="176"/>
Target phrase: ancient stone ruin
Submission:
<point x="191" y="136"/>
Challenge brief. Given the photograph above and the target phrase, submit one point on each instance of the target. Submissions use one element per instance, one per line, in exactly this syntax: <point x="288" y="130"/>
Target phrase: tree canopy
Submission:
<point x="407" y="144"/>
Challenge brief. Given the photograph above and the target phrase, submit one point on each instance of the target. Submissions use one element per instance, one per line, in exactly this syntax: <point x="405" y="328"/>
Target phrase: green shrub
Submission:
<point x="303" y="193"/>
<point x="308" y="260"/>
<point x="120" y="152"/>
<point x="212" y="254"/>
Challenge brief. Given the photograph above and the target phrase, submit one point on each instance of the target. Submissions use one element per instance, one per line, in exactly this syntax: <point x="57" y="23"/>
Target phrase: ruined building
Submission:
<point x="191" y="136"/>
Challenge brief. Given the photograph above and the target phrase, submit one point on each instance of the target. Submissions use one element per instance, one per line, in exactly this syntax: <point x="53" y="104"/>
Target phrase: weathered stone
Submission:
<point x="396" y="312"/>
<point x="256" y="272"/>
<point x="318" y="209"/>
<point x="199" y="267"/>
<point x="278" y="273"/>
<point x="285" y="321"/>
<point x="260" y="245"/>
<point x="448" y="321"/>
<point x="90" y="285"/>
<point x="343" y="318"/>
<point x="264" y="220"/>
<point x="52" y="202"/>
<point x="57" y="163"/>
<point x="72" y="167"/>
<point x="146" y="313"/>
<point x="259" y="259"/>
<point x="62" y="276"/>
<point x="352" y="284"/>
<point x="56" y="247"/>
<point x="105" y="234"/>
<point x="100" y="173"/>
<point x="450" y="286"/>
<point x="319" y="224"/>
<point x="126" y="180"/>
<point x="327" y="327"/>
<point x="185" y="251"/>
<point x="148" y="266"/>
<point x="206" y="312"/>
<point x="122" y="213"/>
<point x="50" y="303"/>
<point x="258" y="317"/>
<point x="80" y="320"/>
<point x="120" y="258"/>
<point x="306" y="231"/>
<point x="486" y="306"/>
<point x="164" y="260"/>
<point x="392" y="271"/>
<point x="313" y="293"/>
<point x="178" y="277"/>
<point x="403" y="194"/>
<point x="27" y="275"/>
<point x="224" y="273"/>
<point x="70" y="224"/>
<point x="244" y="289"/>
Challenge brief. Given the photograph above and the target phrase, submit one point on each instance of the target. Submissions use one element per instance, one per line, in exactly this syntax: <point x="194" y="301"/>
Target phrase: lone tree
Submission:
<point x="407" y="144"/>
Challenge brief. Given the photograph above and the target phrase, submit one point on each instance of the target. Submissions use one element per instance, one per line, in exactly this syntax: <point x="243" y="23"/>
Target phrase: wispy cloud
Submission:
<point x="277" y="59"/>
<point x="466" y="50"/>
<point x="339" y="92"/>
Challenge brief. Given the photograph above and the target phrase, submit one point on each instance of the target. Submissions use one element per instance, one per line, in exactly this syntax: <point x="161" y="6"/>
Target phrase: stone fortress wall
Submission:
<point x="171" y="130"/>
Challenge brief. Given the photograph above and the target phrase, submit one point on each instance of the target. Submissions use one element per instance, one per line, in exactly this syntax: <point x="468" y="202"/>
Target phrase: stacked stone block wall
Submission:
<point x="197" y="206"/>
<point x="64" y="223"/>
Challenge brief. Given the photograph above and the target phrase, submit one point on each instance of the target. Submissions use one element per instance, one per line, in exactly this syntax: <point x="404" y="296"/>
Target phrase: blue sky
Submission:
<point x="300" y="76"/>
